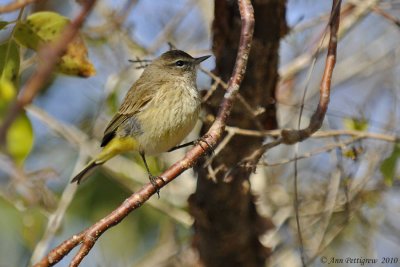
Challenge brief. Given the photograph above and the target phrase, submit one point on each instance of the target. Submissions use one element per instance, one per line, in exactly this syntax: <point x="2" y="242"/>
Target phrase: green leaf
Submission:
<point x="388" y="167"/>
<point x="355" y="124"/>
<point x="9" y="61"/>
<point x="3" y="24"/>
<point x="19" y="140"/>
<point x="27" y="37"/>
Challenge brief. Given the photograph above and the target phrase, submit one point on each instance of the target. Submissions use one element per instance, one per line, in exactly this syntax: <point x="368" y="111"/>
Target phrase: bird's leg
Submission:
<point x="152" y="178"/>
<point x="192" y="143"/>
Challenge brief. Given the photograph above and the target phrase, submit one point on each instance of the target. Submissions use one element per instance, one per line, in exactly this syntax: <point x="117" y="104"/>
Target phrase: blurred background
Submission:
<point x="348" y="184"/>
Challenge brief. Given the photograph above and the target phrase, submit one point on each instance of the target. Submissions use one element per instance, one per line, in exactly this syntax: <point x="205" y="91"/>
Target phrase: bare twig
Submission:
<point x="324" y="149"/>
<point x="218" y="81"/>
<point x="170" y="27"/>
<point x="360" y="9"/>
<point x="296" y="136"/>
<point x="360" y="134"/>
<point x="48" y="58"/>
<point x="319" y="134"/>
<point x="89" y="236"/>
<point x="16" y="5"/>
<point x="219" y="148"/>
<point x="57" y="216"/>
<point x="115" y="19"/>
<point x="386" y="15"/>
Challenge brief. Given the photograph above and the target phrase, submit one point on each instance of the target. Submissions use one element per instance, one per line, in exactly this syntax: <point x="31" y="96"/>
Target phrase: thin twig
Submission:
<point x="219" y="148"/>
<point x="16" y="5"/>
<point x="253" y="113"/>
<point x="115" y="19"/>
<point x="48" y="57"/>
<point x="310" y="154"/>
<point x="55" y="219"/>
<point x="171" y="27"/>
<point x="296" y="204"/>
<point x="318" y="134"/>
<point x="296" y="136"/>
<point x="361" y="8"/>
<point x="386" y="15"/>
<point x="88" y="237"/>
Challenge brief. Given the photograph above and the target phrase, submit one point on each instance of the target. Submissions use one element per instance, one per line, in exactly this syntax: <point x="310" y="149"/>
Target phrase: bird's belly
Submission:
<point x="172" y="126"/>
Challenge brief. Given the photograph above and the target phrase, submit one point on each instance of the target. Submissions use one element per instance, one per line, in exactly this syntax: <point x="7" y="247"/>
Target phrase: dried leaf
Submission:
<point x="75" y="61"/>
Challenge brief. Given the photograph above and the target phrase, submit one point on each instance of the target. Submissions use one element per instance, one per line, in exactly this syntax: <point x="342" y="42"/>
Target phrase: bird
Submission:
<point x="158" y="111"/>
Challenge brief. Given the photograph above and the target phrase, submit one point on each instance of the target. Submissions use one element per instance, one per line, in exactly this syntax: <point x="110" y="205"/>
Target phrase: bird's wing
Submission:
<point x="135" y="100"/>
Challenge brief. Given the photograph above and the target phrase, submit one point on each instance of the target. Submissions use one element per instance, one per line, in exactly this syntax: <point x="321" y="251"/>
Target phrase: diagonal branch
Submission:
<point x="48" y="57"/>
<point x="89" y="236"/>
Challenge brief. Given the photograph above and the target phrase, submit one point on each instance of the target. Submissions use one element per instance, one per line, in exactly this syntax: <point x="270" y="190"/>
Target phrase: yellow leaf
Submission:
<point x="353" y="153"/>
<point x="7" y="92"/>
<point x="19" y="140"/>
<point x="44" y="27"/>
<point x="47" y="25"/>
<point x="355" y="124"/>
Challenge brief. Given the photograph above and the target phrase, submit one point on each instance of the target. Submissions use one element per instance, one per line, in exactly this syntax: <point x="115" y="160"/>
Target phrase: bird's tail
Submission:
<point x="114" y="147"/>
<point x="85" y="172"/>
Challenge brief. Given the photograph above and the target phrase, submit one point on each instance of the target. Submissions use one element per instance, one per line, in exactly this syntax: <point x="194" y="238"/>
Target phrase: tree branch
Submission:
<point x="290" y="137"/>
<point x="294" y="136"/>
<point x="48" y="57"/>
<point x="89" y="236"/>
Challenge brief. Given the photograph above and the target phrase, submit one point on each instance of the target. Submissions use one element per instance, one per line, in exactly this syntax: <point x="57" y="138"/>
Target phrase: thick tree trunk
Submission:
<point x="227" y="225"/>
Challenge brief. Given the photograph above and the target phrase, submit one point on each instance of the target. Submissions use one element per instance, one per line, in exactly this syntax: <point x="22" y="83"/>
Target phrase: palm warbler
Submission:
<point x="158" y="111"/>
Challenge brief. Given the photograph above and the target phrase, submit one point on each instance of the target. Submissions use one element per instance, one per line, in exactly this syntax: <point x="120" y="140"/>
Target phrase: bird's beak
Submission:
<point x="198" y="60"/>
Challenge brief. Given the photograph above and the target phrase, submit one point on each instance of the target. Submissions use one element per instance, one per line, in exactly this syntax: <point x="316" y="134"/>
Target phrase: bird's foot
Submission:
<point x="199" y="141"/>
<point x="153" y="181"/>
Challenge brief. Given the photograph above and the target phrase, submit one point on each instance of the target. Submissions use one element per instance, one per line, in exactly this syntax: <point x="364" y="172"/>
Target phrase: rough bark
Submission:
<point x="227" y="225"/>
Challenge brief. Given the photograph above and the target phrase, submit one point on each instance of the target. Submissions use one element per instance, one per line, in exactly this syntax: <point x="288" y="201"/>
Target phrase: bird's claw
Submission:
<point x="199" y="141"/>
<point x="153" y="181"/>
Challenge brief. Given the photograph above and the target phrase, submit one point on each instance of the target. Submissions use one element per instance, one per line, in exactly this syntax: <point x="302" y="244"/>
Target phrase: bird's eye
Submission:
<point x="180" y="63"/>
